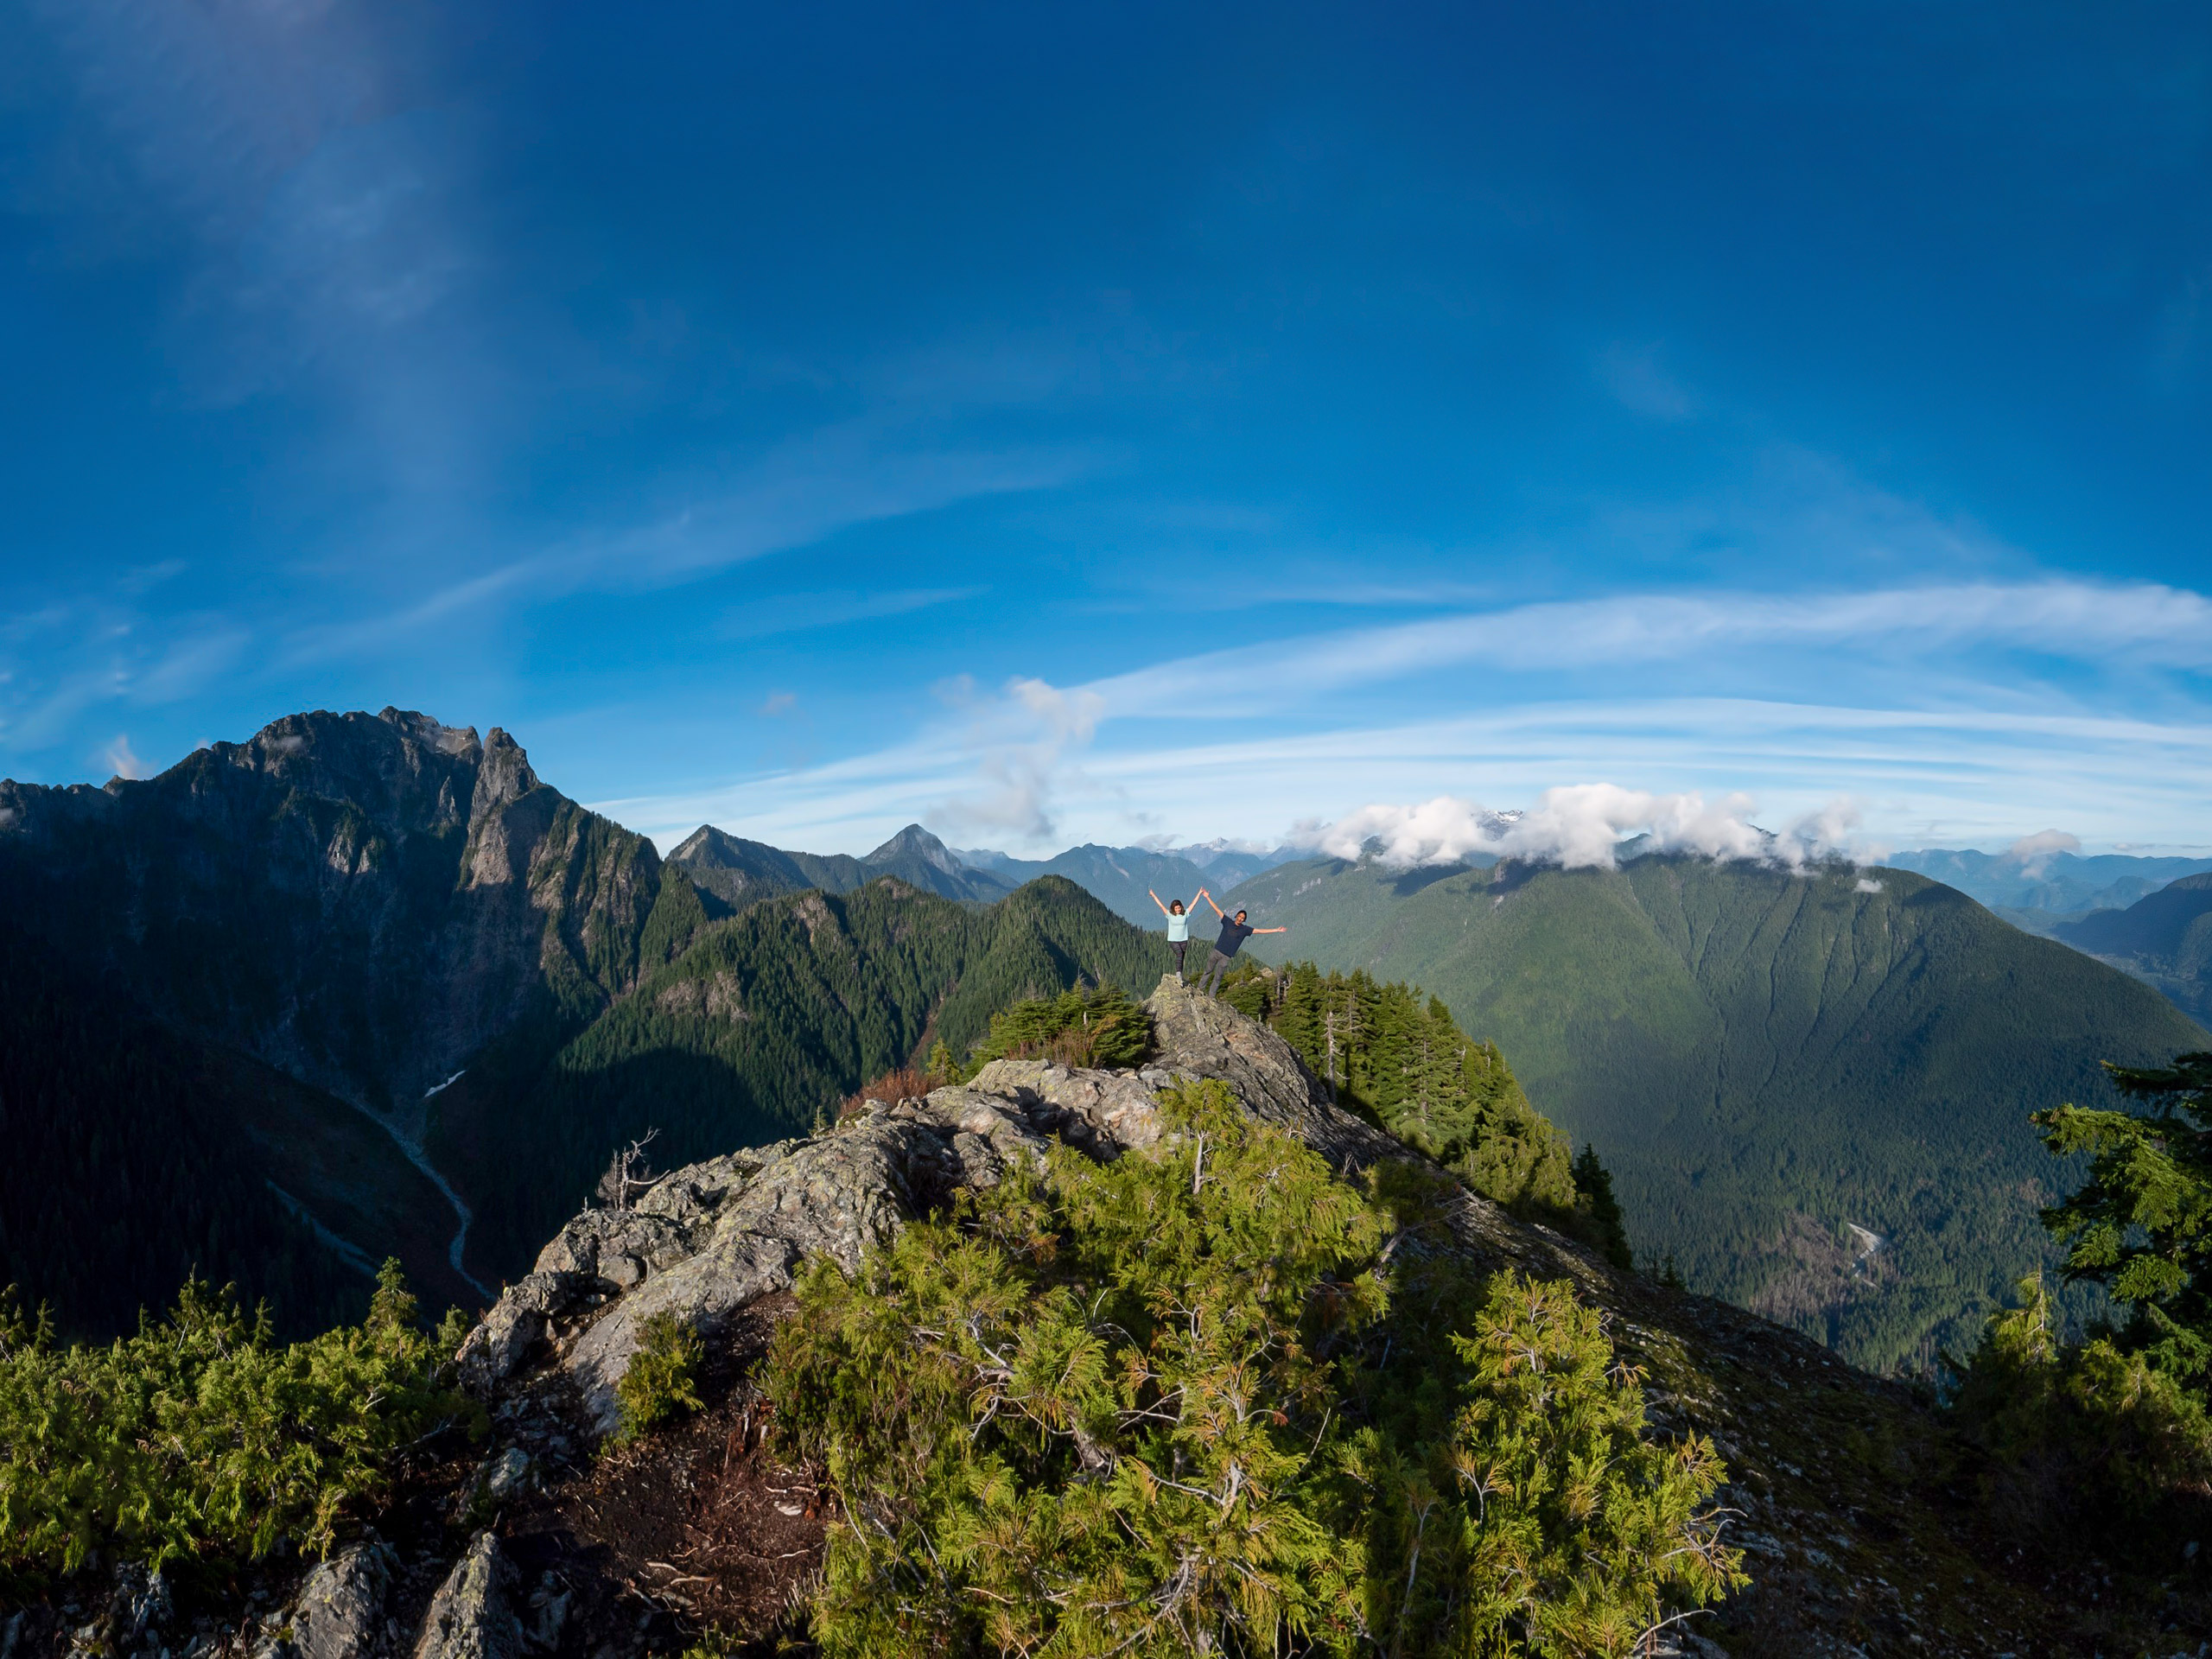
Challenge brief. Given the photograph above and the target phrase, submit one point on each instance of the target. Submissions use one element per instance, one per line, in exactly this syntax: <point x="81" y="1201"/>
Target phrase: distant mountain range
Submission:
<point x="1812" y="1090"/>
<point x="2043" y="884"/>
<point x="1224" y="863"/>
<point x="738" y="871"/>
<point x="364" y="985"/>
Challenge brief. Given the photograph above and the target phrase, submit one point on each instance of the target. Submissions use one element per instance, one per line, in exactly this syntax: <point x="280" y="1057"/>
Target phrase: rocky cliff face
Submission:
<point x="361" y="900"/>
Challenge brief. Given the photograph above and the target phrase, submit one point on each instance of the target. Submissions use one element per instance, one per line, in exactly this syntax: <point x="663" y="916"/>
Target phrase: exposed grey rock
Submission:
<point x="139" y="1611"/>
<point x="1103" y="1113"/>
<point x="549" y="1614"/>
<point x="1198" y="1036"/>
<point x="503" y="1476"/>
<point x="338" y="1612"/>
<point x="694" y="1196"/>
<point x="620" y="1245"/>
<point x="1201" y="1037"/>
<point x="710" y="1240"/>
<point x="834" y="1195"/>
<point x="143" y="1607"/>
<point x="507" y="1337"/>
<point x="473" y="1615"/>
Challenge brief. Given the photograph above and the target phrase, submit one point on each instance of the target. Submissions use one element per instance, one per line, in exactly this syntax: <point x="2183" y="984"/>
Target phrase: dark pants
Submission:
<point x="1217" y="965"/>
<point x="1178" y="946"/>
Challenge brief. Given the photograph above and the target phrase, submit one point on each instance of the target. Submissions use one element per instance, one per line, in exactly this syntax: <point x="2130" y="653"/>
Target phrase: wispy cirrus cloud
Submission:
<point x="775" y="613"/>
<point x="1919" y="777"/>
<point x="64" y="663"/>
<point x="2144" y="624"/>
<point x="801" y="492"/>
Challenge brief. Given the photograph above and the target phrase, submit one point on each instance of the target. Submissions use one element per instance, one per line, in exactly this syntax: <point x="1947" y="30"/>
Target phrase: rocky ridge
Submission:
<point x="1847" y="1492"/>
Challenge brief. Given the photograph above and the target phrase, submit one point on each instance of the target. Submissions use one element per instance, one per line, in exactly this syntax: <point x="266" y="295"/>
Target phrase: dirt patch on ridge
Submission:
<point x="698" y="1526"/>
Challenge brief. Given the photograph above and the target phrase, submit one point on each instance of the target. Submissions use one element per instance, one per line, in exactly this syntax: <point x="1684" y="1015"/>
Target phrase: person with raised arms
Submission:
<point x="1234" y="932"/>
<point x="1179" y="928"/>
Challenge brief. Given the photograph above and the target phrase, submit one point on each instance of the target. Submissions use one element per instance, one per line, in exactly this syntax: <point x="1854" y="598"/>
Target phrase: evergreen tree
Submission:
<point x="2141" y="1225"/>
<point x="1163" y="1406"/>
<point x="2114" y="1428"/>
<point x="1593" y="1195"/>
<point x="1400" y="1057"/>
<point x="201" y="1440"/>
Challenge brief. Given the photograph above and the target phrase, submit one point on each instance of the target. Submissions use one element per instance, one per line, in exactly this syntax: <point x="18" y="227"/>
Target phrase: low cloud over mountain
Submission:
<point x="1579" y="826"/>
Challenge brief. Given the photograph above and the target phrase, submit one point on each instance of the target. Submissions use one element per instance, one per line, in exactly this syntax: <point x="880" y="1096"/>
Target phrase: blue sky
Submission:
<point x="1060" y="423"/>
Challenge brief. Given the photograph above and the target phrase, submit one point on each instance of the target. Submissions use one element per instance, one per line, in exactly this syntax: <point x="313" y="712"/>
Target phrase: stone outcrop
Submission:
<point x="473" y="1615"/>
<point x="339" y="1610"/>
<point x="709" y="1240"/>
<point x="417" y="889"/>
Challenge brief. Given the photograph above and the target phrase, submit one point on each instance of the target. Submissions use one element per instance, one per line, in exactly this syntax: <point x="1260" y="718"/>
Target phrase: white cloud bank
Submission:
<point x="1579" y="826"/>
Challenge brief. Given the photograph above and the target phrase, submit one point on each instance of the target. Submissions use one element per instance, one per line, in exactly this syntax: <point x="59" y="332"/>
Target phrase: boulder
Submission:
<point x="501" y="1477"/>
<point x="473" y="1615"/>
<point x="1198" y="1036"/>
<point x="834" y="1195"/>
<point x="711" y="1239"/>
<point x="507" y="1338"/>
<point x="338" y="1611"/>
<point x="1102" y="1113"/>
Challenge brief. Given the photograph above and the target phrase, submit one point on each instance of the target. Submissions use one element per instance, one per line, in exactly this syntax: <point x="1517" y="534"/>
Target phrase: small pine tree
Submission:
<point x="942" y="1066"/>
<point x="660" y="1384"/>
<point x="200" y="1438"/>
<point x="1594" y="1201"/>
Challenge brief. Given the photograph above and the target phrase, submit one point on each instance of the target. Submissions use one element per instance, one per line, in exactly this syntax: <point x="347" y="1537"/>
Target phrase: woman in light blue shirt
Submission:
<point x="1179" y="928"/>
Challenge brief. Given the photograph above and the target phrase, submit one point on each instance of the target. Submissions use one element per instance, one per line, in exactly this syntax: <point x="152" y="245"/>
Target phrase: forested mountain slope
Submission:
<point x="342" y="991"/>
<point x="2165" y="939"/>
<point x="1766" y="1061"/>
<point x="624" y="1478"/>
<point x="361" y="900"/>
<point x="289" y="944"/>
<point x="766" y="1020"/>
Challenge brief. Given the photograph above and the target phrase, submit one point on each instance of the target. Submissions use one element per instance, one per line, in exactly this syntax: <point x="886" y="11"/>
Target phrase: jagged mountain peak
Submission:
<point x="702" y="844"/>
<point x="914" y="842"/>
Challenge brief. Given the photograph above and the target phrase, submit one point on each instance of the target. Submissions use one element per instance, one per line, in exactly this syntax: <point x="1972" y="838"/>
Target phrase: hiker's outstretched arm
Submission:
<point x="1271" y="930"/>
<point x="1155" y="899"/>
<point x="1208" y="897"/>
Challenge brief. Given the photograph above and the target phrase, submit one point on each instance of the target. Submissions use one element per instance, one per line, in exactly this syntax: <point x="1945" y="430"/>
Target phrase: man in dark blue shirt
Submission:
<point x="1234" y="932"/>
